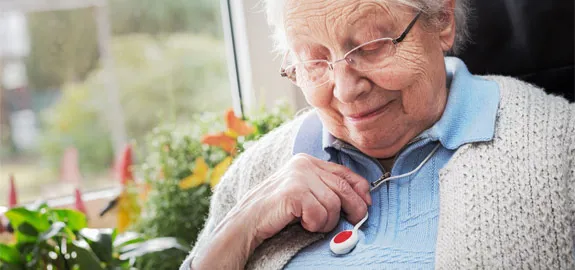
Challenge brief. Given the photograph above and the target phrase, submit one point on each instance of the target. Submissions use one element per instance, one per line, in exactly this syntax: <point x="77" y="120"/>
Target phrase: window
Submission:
<point x="78" y="81"/>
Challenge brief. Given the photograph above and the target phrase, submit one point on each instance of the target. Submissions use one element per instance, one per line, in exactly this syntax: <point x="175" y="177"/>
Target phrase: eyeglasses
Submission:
<point x="365" y="57"/>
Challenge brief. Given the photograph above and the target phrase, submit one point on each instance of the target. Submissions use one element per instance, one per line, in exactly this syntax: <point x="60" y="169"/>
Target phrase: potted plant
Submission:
<point x="183" y="163"/>
<point x="47" y="238"/>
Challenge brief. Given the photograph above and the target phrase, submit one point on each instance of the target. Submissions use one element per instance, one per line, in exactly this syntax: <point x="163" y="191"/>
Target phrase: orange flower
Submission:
<point x="227" y="140"/>
<point x="221" y="140"/>
<point x="237" y="125"/>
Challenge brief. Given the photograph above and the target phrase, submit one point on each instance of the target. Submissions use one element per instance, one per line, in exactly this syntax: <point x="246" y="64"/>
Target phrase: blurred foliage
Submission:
<point x="64" y="44"/>
<point x="75" y="121"/>
<point x="167" y="79"/>
<point x="264" y="121"/>
<point x="171" y="150"/>
<point x="63" y="47"/>
<point x="153" y="16"/>
<point x="48" y="238"/>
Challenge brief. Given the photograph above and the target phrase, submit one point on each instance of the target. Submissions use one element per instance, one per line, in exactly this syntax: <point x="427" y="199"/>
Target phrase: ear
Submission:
<point x="447" y="33"/>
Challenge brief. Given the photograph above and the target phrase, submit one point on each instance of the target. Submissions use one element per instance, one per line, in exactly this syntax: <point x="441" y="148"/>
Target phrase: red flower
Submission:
<point x="124" y="165"/>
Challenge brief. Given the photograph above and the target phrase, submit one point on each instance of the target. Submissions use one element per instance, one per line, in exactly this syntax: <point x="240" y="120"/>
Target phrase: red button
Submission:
<point x="342" y="236"/>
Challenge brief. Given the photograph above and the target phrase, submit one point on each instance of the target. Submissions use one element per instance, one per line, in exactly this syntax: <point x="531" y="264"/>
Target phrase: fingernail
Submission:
<point x="368" y="196"/>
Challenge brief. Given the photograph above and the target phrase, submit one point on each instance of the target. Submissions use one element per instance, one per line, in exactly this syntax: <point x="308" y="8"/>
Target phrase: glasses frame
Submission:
<point x="348" y="60"/>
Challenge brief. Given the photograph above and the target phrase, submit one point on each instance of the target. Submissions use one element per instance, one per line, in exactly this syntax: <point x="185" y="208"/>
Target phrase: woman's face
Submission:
<point x="378" y="111"/>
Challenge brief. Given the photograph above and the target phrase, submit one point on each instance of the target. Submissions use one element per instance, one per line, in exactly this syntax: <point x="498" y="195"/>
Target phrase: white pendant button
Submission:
<point x="343" y="242"/>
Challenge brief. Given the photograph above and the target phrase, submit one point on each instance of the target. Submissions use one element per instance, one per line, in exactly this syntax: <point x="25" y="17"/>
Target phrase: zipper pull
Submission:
<point x="379" y="181"/>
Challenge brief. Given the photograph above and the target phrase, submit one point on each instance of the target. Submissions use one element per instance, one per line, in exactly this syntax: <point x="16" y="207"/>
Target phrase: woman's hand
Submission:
<point x="306" y="190"/>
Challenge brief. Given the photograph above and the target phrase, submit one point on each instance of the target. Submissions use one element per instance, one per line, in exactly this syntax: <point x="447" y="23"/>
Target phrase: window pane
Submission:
<point x="57" y="114"/>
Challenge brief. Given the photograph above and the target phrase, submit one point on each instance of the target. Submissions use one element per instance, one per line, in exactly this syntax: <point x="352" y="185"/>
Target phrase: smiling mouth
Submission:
<point x="369" y="114"/>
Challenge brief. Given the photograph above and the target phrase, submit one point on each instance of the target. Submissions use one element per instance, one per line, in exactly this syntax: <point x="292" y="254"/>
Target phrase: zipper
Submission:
<point x="373" y="185"/>
<point x="385" y="174"/>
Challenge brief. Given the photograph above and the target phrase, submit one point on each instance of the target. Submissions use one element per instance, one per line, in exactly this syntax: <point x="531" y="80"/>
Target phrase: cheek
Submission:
<point x="394" y="79"/>
<point x="414" y="80"/>
<point x="318" y="98"/>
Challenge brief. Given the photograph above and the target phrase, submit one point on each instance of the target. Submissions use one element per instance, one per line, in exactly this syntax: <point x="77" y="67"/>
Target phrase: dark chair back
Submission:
<point x="528" y="39"/>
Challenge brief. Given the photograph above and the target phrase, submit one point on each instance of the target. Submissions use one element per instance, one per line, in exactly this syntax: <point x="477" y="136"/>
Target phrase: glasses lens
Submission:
<point x="372" y="55"/>
<point x="308" y="74"/>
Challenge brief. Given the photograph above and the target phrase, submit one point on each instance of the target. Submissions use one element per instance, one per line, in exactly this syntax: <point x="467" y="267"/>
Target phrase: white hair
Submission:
<point x="434" y="12"/>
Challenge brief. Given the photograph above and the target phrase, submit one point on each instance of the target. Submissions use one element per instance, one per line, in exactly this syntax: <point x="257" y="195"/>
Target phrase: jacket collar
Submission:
<point x="471" y="108"/>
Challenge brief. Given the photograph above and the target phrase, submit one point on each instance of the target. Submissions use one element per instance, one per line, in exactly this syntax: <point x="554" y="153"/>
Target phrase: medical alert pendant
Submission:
<point x="343" y="242"/>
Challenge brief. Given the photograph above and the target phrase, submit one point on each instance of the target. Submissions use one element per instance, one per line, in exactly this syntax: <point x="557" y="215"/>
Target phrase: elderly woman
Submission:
<point x="451" y="170"/>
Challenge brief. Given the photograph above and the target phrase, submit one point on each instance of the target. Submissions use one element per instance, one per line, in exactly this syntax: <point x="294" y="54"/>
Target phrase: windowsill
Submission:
<point x="94" y="201"/>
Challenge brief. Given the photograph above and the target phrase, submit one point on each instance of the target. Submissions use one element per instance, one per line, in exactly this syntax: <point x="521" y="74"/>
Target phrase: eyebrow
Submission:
<point x="368" y="34"/>
<point x="382" y="26"/>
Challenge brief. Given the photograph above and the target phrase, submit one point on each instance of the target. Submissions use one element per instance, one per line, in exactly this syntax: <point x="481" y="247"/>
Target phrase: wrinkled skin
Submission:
<point x="412" y="85"/>
<point x="411" y="89"/>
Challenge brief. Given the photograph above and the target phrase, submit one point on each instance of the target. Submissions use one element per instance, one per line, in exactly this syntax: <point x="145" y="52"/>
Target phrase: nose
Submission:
<point x="349" y="85"/>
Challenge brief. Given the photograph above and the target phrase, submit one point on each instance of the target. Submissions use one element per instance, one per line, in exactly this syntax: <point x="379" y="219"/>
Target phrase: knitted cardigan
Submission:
<point x="507" y="203"/>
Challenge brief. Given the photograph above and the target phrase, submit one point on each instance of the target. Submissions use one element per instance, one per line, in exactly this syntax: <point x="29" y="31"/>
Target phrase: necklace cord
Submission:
<point x="383" y="179"/>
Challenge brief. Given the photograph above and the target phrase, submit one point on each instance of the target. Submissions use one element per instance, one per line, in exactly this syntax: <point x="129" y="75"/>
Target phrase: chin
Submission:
<point x="375" y="143"/>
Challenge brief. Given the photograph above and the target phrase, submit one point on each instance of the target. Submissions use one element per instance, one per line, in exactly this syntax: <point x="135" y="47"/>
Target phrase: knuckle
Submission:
<point x="343" y="187"/>
<point x="300" y="158"/>
<point x="362" y="186"/>
<point x="345" y="172"/>
<point x="300" y="162"/>
<point x="316" y="217"/>
<point x="333" y="202"/>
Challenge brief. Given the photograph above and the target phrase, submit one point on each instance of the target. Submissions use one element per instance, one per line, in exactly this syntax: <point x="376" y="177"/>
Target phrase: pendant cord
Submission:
<point x="384" y="179"/>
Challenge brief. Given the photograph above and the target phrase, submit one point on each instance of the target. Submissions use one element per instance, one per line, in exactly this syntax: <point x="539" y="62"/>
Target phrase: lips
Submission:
<point x="368" y="113"/>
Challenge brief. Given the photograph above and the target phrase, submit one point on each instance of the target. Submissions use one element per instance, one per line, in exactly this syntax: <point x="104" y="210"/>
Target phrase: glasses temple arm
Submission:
<point x="402" y="36"/>
<point x="282" y="69"/>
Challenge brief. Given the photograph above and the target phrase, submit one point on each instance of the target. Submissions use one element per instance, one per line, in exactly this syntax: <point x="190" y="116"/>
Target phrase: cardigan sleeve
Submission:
<point x="222" y="201"/>
<point x="571" y="172"/>
<point x="250" y="168"/>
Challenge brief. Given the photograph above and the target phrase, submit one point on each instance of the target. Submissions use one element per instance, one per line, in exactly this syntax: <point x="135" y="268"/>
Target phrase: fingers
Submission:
<point x="351" y="203"/>
<point x="359" y="184"/>
<point x="308" y="190"/>
<point x="329" y="200"/>
<point x="313" y="216"/>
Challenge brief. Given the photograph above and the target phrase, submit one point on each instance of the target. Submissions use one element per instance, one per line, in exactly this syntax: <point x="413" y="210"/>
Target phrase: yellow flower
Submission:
<point x="198" y="176"/>
<point x="219" y="170"/>
<point x="128" y="210"/>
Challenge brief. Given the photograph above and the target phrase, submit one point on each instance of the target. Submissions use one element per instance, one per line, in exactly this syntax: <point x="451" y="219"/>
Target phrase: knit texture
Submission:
<point x="507" y="203"/>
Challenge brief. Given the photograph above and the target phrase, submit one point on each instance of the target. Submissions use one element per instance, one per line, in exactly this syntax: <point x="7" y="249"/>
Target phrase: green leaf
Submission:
<point x="150" y="246"/>
<point x="20" y="215"/>
<point x="9" y="254"/>
<point x="127" y="238"/>
<point x="53" y="231"/>
<point x="100" y="241"/>
<point x="9" y="266"/>
<point x="23" y="238"/>
<point x="27" y="229"/>
<point x="82" y="256"/>
<point x="75" y="220"/>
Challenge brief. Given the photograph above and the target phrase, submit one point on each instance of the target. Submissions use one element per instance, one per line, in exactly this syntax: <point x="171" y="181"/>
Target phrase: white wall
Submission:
<point x="258" y="66"/>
